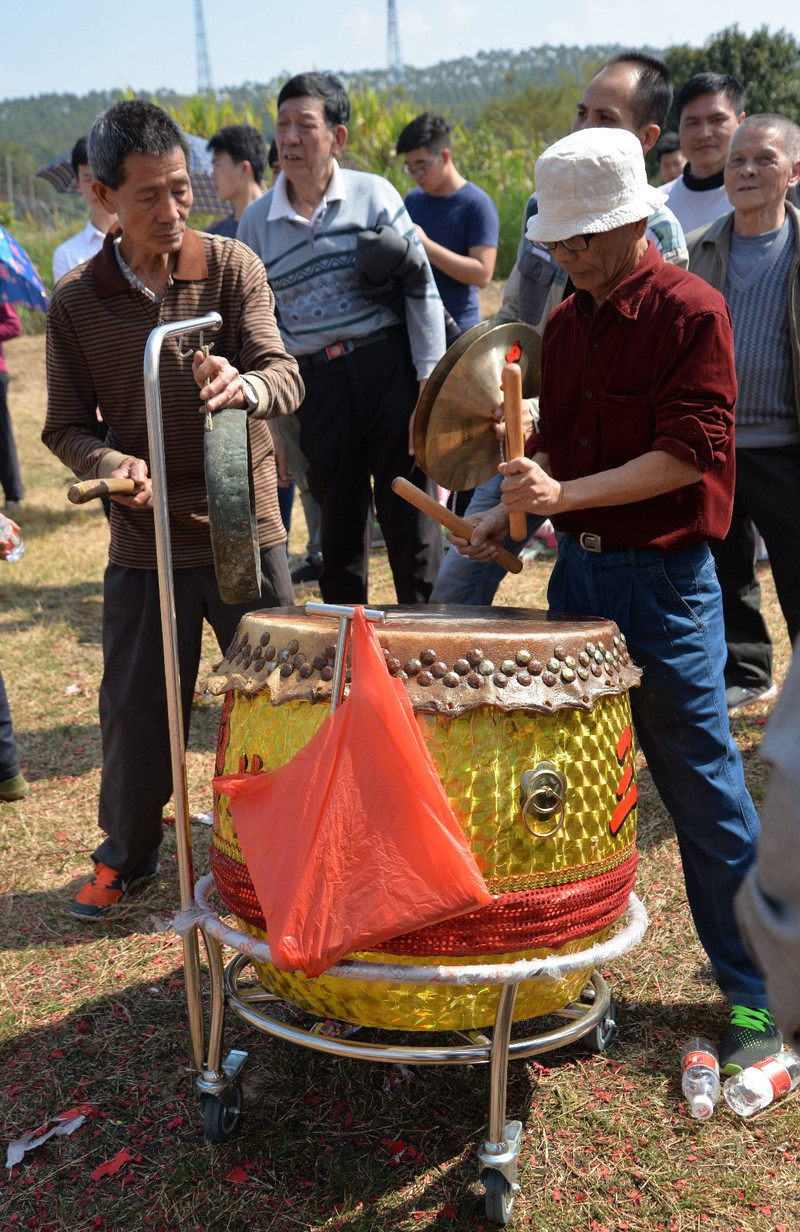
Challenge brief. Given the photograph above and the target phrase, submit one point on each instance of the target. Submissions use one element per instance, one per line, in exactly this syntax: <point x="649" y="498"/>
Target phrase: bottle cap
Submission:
<point x="702" y="1107"/>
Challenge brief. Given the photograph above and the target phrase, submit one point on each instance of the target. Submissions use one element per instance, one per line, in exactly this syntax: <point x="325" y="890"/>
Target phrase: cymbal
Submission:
<point x="454" y="439"/>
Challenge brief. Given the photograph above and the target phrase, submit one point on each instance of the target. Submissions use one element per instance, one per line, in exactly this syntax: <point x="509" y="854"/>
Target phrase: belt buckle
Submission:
<point x="337" y="349"/>
<point x="590" y="542"/>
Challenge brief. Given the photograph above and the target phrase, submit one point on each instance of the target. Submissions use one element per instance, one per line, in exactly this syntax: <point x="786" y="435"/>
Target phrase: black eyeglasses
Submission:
<point x="577" y="243"/>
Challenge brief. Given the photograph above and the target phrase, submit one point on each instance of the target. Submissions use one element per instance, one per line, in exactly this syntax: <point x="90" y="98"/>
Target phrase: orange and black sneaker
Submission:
<point x="104" y="890"/>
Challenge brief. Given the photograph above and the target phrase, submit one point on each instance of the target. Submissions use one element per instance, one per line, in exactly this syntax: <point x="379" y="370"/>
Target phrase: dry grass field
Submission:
<point x="94" y="1017"/>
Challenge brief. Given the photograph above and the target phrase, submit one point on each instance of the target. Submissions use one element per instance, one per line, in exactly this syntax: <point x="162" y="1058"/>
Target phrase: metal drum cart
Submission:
<point x="472" y="697"/>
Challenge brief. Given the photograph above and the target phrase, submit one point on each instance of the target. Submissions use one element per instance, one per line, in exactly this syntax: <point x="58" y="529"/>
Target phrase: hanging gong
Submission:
<point x="232" y="507"/>
<point x="454" y="438"/>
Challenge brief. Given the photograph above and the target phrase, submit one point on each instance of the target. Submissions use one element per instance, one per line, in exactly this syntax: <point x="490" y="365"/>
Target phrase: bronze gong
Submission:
<point x="454" y="439"/>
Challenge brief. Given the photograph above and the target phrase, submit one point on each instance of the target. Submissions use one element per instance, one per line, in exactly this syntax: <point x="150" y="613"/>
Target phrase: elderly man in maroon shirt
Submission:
<point x="633" y="461"/>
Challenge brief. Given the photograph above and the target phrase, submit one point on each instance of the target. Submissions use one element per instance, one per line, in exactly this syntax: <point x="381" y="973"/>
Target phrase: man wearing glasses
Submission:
<point x="456" y="222"/>
<point x="634" y="462"/>
<point x="633" y="92"/>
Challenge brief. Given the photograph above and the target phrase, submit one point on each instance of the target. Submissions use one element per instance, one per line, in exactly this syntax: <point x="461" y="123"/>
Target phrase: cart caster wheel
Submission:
<point x="601" y="1037"/>
<point x="500" y="1197"/>
<point x="220" y="1120"/>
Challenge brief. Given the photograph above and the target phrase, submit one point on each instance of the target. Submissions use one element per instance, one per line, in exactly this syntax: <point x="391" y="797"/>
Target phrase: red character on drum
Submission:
<point x="633" y="461"/>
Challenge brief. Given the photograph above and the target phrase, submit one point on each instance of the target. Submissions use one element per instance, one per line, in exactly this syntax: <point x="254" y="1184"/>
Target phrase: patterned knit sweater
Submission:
<point x="311" y="267"/>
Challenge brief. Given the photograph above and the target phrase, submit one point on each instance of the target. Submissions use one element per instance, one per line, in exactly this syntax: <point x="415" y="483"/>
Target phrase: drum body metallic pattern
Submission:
<point x="496" y="692"/>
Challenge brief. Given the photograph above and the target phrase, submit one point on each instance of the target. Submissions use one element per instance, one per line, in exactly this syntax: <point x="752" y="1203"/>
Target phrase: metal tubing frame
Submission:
<point x="169" y="633"/>
<point x="345" y="615"/>
<point x="498" y="1081"/>
<point x="582" y="1019"/>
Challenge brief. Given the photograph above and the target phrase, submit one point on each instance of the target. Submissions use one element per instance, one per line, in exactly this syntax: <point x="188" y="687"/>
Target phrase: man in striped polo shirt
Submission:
<point x="151" y="270"/>
<point x="753" y="257"/>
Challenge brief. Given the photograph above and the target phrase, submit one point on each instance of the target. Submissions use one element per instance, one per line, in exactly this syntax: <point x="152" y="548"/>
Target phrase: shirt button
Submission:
<point x="595" y="344"/>
<point x="584" y="440"/>
<point x="588" y="393"/>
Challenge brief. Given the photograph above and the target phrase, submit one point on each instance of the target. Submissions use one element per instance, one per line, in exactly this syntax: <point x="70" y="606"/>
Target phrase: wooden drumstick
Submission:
<point x="515" y="441"/>
<point x="90" y="489"/>
<point x="460" y="526"/>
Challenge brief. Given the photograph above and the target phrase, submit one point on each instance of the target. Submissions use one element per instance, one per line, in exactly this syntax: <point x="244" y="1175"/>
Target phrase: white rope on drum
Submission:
<point x="551" y="968"/>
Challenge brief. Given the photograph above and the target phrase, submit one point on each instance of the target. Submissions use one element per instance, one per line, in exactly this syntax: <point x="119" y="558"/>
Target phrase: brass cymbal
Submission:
<point x="453" y="429"/>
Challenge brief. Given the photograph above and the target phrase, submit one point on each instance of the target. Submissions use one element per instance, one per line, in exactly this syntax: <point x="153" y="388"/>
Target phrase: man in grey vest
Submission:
<point x="753" y="257"/>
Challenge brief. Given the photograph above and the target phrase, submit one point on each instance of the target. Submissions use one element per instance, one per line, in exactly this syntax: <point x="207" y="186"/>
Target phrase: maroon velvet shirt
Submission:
<point x="651" y="369"/>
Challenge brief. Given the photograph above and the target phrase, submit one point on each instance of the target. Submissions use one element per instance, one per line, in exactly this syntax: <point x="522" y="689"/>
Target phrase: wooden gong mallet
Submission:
<point x="91" y="489"/>
<point x="515" y="440"/>
<point x="459" y="526"/>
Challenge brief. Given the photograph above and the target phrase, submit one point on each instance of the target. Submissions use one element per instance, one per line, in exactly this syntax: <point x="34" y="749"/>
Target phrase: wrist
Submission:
<point x="250" y="396"/>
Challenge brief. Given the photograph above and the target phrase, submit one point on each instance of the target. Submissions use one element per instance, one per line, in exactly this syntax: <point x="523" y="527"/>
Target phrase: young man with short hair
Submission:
<point x="238" y="162"/>
<point x="457" y="222"/>
<point x="79" y="248"/>
<point x="671" y="158"/>
<point x="710" y="106"/>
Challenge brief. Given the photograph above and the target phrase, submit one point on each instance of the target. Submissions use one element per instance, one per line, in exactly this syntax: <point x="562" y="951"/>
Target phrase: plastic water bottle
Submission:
<point x="10" y="534"/>
<point x="757" y="1086"/>
<point x="700" y="1076"/>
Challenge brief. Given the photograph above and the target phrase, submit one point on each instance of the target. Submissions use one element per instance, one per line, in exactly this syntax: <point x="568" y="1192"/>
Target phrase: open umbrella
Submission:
<point x="59" y="173"/>
<point x="19" y="280"/>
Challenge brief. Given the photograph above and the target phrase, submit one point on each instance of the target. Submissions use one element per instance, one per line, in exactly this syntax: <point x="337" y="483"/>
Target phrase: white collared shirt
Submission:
<point x="281" y="207"/>
<point x="77" y="249"/>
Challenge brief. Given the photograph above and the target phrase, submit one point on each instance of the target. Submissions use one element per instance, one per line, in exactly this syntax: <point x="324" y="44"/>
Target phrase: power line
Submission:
<point x="394" y="58"/>
<point x="204" y="82"/>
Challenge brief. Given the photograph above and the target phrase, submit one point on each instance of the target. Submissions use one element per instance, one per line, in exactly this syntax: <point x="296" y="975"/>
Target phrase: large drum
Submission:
<point x="519" y="709"/>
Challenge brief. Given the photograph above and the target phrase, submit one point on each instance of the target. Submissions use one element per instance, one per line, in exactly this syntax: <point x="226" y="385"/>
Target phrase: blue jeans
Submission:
<point x="471" y="582"/>
<point x="669" y="607"/>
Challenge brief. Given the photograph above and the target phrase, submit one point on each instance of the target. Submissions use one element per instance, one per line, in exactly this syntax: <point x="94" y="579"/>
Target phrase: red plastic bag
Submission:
<point x="354" y="840"/>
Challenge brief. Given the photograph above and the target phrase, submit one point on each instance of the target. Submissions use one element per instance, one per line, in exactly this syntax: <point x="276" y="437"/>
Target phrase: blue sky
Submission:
<point x="76" y="46"/>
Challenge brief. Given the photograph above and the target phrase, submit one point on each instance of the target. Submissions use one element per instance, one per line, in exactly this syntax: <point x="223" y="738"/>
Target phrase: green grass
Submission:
<point x="97" y="1017"/>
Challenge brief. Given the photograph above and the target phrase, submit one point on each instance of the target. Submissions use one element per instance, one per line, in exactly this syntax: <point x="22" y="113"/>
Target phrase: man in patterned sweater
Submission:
<point x="362" y="361"/>
<point x="753" y="257"/>
<point x="153" y="270"/>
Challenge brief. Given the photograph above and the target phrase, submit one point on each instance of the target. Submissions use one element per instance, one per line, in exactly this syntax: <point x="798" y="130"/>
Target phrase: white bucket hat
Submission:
<point x="591" y="181"/>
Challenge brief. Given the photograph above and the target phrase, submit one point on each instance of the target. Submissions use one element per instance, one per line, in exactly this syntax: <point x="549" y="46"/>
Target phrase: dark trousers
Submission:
<point x="10" y="477"/>
<point x="136" y="780"/>
<point x="767" y="495"/>
<point x="9" y="764"/>
<point x="353" y="426"/>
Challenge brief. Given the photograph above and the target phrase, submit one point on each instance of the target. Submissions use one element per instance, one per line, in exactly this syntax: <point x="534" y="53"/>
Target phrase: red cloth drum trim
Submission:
<point x="548" y="916"/>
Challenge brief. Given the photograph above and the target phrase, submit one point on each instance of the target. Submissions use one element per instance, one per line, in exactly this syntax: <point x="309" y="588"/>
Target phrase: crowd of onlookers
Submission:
<point x="339" y="301"/>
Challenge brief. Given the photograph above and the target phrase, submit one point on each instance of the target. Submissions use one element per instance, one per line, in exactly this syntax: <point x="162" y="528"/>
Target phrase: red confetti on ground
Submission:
<point x="113" y="1165"/>
<point x="237" y="1176"/>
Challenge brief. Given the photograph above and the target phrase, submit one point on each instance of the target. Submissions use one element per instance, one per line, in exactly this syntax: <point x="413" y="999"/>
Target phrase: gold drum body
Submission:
<point x="496" y="692"/>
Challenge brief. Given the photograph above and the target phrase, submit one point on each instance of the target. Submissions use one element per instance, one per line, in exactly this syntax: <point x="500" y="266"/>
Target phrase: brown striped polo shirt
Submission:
<point x="97" y="330"/>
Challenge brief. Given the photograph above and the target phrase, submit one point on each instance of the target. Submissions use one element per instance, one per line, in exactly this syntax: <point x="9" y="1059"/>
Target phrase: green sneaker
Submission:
<point x="750" y="1036"/>
<point x="14" y="789"/>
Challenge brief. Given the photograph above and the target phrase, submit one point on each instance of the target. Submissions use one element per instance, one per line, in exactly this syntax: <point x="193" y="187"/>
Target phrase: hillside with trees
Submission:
<point x="505" y="107"/>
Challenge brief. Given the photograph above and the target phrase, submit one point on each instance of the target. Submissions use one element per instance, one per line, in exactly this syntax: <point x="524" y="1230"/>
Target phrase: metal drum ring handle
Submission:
<point x="543" y="790"/>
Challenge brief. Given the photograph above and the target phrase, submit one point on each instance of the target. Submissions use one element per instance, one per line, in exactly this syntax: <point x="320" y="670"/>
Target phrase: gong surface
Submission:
<point x="454" y="438"/>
